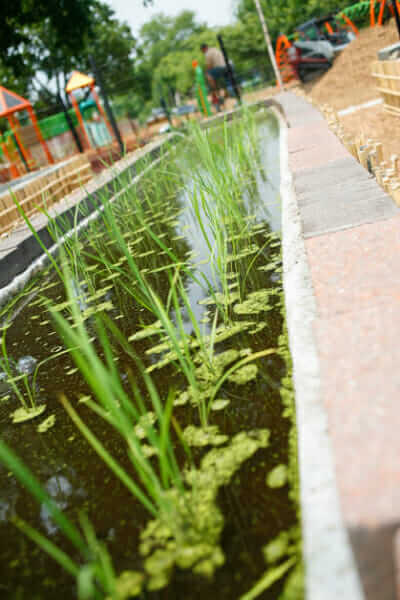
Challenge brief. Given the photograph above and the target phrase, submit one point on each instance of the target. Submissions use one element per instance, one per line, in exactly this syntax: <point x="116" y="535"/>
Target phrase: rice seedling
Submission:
<point x="93" y="571"/>
<point x="19" y="376"/>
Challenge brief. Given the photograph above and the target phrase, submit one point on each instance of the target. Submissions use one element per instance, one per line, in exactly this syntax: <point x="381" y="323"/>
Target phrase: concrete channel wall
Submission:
<point x="21" y="255"/>
<point x="334" y="220"/>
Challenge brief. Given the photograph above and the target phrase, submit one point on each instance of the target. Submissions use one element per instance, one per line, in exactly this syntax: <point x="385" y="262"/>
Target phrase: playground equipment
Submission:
<point x="11" y="103"/>
<point x="382" y="5"/>
<point x="313" y="45"/>
<point x="78" y="81"/>
<point x="201" y="90"/>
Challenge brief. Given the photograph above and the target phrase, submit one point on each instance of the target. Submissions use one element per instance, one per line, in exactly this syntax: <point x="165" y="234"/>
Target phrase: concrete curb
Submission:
<point x="330" y="568"/>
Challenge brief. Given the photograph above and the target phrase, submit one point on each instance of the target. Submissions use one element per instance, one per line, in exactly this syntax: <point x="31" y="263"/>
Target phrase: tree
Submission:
<point x="283" y="17"/>
<point x="164" y="43"/>
<point x="46" y="59"/>
<point x="61" y="17"/>
<point x="175" y="71"/>
<point x="162" y="35"/>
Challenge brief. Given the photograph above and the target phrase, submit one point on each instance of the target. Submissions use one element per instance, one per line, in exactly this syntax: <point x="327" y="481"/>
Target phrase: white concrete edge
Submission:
<point x="330" y="570"/>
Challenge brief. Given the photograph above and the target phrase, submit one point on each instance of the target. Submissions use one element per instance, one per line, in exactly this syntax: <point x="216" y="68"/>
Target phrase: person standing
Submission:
<point x="216" y="70"/>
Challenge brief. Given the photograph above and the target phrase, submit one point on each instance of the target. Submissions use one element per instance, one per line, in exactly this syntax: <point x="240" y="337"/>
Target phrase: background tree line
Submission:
<point x="42" y="42"/>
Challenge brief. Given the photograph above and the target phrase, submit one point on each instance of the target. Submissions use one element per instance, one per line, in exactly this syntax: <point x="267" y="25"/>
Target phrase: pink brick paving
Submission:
<point x="356" y="280"/>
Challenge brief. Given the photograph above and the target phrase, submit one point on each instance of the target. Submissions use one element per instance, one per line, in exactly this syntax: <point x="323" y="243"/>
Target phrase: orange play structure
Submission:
<point x="281" y="57"/>
<point x="383" y="3"/>
<point x="11" y="103"/>
<point x="77" y="81"/>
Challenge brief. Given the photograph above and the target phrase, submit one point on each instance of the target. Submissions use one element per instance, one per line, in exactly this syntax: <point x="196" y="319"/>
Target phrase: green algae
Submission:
<point x="252" y="249"/>
<point x="188" y="535"/>
<point x="46" y="424"/>
<point x="207" y="376"/>
<point x="274" y="265"/>
<point x="277" y="548"/>
<point x="219" y="404"/>
<point x="221" y="299"/>
<point x="277" y="477"/>
<point x="256" y="303"/>
<point x="144" y="423"/>
<point x="203" y="436"/>
<point x="258" y="327"/>
<point x="148" y="331"/>
<point x="211" y="371"/>
<point x="244" y="374"/>
<point x="223" y="333"/>
<point x="148" y="451"/>
<point x="231" y="275"/>
<point x="287" y="545"/>
<point x="23" y="414"/>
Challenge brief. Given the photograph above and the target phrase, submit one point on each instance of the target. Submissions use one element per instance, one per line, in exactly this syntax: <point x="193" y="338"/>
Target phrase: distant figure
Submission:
<point x="216" y="70"/>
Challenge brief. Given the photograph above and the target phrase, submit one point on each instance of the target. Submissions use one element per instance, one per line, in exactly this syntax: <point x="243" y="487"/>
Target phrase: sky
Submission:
<point x="214" y="12"/>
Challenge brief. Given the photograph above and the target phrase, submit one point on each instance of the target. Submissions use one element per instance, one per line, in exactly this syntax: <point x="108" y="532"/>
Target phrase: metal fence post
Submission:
<point x="229" y="69"/>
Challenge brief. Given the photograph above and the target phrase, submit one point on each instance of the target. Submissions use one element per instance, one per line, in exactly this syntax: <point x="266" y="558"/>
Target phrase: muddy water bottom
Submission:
<point x="73" y="475"/>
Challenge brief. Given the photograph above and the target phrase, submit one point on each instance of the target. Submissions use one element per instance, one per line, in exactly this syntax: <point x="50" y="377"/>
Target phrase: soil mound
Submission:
<point x="349" y="81"/>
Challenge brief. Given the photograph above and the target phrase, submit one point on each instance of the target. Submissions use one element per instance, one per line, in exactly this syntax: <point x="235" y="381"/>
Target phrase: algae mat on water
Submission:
<point x="165" y="339"/>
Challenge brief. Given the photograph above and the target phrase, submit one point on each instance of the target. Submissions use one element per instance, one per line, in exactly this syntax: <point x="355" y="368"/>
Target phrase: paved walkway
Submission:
<point x="352" y="233"/>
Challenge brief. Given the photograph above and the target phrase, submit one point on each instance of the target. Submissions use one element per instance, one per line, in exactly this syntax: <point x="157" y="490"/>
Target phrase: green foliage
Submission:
<point x="165" y="53"/>
<point x="21" y="19"/>
<point x="127" y="105"/>
<point x="283" y="17"/>
<point x="42" y="50"/>
<point x="55" y="40"/>
<point x="360" y="12"/>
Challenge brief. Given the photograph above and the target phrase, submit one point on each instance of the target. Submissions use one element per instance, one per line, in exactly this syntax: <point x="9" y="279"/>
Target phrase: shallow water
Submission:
<point x="74" y="476"/>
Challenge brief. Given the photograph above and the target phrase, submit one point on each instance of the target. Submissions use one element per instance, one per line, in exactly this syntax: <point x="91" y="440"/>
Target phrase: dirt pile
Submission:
<point x="349" y="81"/>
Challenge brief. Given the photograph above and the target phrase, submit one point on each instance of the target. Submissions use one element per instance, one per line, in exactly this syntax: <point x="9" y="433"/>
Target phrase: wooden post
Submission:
<point x="24" y="152"/>
<point x="80" y="119"/>
<point x="13" y="168"/>
<point x="39" y="136"/>
<point x="379" y="152"/>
